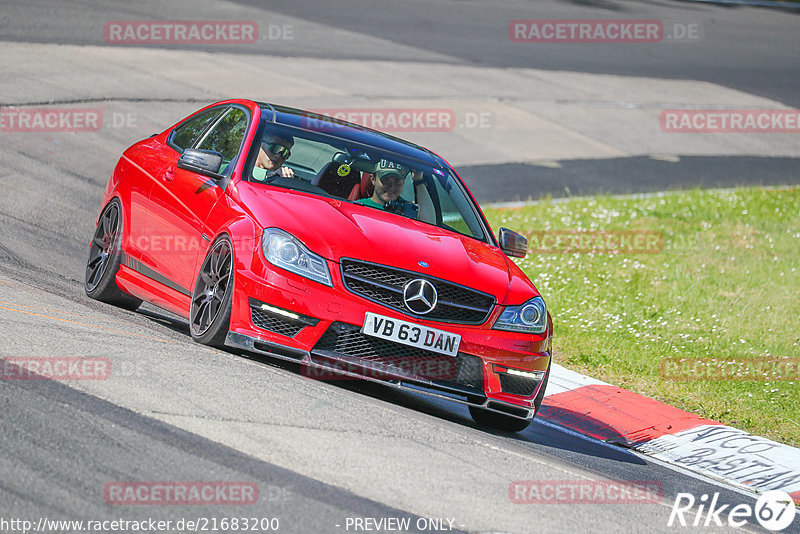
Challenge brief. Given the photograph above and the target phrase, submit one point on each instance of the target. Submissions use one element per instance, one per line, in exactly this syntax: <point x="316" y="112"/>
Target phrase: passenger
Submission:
<point x="387" y="182"/>
<point x="274" y="151"/>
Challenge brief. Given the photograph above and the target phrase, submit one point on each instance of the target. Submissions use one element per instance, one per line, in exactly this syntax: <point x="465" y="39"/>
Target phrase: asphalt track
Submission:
<point x="738" y="49"/>
<point x="319" y="452"/>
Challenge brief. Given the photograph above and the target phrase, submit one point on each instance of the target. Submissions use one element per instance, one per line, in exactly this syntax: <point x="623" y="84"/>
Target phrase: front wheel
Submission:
<point x="210" y="311"/>
<point x="497" y="420"/>
<point x="105" y="257"/>
<point x="537" y="402"/>
<point x="506" y="422"/>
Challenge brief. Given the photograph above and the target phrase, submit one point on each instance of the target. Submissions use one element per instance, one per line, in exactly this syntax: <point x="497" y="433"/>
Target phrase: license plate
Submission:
<point x="411" y="334"/>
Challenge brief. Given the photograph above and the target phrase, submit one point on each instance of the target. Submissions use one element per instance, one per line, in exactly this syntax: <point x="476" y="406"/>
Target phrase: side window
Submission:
<point x="227" y="135"/>
<point x="185" y="135"/>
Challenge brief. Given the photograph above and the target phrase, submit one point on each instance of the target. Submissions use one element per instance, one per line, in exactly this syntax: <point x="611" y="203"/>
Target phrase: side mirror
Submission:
<point x="512" y="243"/>
<point x="206" y="162"/>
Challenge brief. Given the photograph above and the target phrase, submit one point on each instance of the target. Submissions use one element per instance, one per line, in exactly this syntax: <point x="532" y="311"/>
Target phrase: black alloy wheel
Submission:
<point x="210" y="311"/>
<point x="105" y="257"/>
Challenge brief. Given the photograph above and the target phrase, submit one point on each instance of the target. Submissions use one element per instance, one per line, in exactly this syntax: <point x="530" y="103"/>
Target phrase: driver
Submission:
<point x="273" y="152"/>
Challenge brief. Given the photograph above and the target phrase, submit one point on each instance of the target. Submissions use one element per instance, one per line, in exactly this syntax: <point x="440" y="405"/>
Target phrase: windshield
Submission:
<point x="364" y="175"/>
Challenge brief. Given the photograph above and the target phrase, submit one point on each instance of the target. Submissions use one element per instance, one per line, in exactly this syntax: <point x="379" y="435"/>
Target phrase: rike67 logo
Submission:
<point x="774" y="511"/>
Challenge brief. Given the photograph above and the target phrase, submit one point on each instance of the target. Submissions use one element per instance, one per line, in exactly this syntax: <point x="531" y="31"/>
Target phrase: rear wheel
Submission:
<point x="210" y="311"/>
<point x="105" y="256"/>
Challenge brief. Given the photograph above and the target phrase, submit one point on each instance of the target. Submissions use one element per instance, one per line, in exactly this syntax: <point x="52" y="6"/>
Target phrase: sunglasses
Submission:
<point x="278" y="149"/>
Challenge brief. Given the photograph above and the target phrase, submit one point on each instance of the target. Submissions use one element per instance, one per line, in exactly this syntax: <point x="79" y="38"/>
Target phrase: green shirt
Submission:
<point x="371" y="203"/>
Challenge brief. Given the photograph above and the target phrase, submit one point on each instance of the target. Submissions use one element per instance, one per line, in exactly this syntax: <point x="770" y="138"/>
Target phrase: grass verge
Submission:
<point x="722" y="289"/>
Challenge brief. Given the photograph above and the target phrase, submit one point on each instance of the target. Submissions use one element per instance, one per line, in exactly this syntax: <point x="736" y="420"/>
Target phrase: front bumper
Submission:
<point x="279" y="314"/>
<point x="353" y="370"/>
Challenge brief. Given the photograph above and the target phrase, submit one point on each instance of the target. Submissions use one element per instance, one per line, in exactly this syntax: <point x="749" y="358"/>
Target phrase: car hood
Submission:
<point x="338" y="229"/>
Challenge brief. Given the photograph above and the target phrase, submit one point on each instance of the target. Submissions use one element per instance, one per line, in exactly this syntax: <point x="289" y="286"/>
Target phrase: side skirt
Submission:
<point x="152" y="291"/>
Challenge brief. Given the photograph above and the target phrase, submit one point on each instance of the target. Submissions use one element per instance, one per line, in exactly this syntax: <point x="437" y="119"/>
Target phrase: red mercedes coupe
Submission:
<point x="357" y="254"/>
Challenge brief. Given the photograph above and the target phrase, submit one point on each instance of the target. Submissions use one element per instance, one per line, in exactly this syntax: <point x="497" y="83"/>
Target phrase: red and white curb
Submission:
<point x="615" y="415"/>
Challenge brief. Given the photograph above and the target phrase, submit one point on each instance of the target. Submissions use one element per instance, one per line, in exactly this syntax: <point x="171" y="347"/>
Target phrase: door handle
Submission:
<point x="168" y="175"/>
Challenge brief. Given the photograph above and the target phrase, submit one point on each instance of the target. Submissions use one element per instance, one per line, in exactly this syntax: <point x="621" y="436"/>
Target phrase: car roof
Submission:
<point x="348" y="131"/>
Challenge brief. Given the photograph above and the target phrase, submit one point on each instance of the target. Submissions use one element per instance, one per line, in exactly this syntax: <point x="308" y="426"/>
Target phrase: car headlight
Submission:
<point x="286" y="251"/>
<point x="530" y="317"/>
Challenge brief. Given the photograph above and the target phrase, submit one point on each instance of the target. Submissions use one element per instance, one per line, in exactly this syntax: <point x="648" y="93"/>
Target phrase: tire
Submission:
<point x="508" y="423"/>
<point x="105" y="256"/>
<point x="537" y="402"/>
<point x="210" y="310"/>
<point x="498" y="421"/>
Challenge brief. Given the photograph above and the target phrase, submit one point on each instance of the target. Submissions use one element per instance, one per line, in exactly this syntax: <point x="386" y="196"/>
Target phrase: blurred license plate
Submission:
<point x="411" y="334"/>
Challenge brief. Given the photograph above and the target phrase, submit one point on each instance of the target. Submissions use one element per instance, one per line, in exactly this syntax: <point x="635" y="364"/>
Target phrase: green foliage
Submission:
<point x="725" y="286"/>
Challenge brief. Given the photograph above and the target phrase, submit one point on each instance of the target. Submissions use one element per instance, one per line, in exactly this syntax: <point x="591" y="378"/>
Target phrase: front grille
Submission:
<point x="274" y="323"/>
<point x="346" y="342"/>
<point x="517" y="385"/>
<point x="456" y="304"/>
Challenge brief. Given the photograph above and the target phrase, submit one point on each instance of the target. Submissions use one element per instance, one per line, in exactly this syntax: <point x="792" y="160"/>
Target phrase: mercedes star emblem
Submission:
<point x="420" y="296"/>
